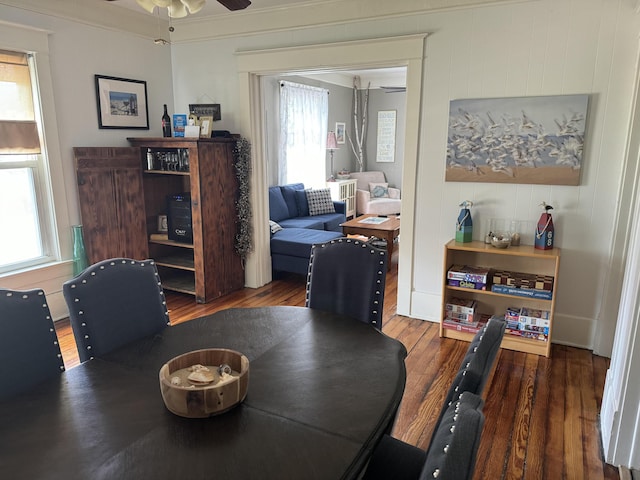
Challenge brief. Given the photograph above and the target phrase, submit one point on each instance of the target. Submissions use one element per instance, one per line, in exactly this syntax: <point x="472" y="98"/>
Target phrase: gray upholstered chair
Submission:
<point x="451" y="454"/>
<point x="348" y="276"/>
<point x="114" y="302"/>
<point x="29" y="350"/>
<point x="469" y="382"/>
<point x="477" y="363"/>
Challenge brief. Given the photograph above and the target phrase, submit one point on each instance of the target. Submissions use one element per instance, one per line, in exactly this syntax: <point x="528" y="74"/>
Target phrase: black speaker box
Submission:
<point x="179" y="218"/>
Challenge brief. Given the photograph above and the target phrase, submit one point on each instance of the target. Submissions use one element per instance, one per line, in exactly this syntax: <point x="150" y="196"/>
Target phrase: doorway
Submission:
<point x="406" y="51"/>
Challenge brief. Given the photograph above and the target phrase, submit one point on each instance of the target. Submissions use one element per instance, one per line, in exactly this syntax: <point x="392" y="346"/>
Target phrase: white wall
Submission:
<point x="545" y="47"/>
<point x="76" y="53"/>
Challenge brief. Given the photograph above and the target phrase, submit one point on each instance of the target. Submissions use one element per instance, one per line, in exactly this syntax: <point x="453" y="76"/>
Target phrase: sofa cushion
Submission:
<point x="289" y="194"/>
<point x="320" y="201"/>
<point x="379" y="190"/>
<point x="277" y="206"/>
<point x="331" y="221"/>
<point x="297" y="241"/>
<point x="301" y="201"/>
<point x="313" y="223"/>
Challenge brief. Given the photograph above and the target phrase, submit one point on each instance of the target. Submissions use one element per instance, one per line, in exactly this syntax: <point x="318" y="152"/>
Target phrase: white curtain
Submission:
<point x="304" y="113"/>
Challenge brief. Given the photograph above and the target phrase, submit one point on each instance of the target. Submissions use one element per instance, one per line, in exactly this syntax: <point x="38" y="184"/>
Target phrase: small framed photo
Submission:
<point x="122" y="103"/>
<point x="340" y="132"/>
<point x="206" y="123"/>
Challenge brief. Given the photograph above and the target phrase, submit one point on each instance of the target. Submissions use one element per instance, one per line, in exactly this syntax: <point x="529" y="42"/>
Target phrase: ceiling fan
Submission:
<point x="181" y="8"/>
<point x="394" y="89"/>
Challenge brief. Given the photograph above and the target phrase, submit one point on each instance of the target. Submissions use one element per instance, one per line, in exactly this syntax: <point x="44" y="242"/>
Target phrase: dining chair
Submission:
<point x="468" y="383"/>
<point x="347" y="276"/>
<point x="451" y="454"/>
<point x="29" y="349"/>
<point x="114" y="302"/>
<point x="478" y="361"/>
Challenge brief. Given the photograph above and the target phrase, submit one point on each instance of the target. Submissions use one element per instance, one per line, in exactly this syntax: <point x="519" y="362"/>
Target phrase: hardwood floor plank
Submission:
<point x="541" y="413"/>
<point x="534" y="456"/>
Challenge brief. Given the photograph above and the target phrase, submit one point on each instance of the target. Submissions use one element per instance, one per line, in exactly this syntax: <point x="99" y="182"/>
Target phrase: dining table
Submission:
<point x="323" y="390"/>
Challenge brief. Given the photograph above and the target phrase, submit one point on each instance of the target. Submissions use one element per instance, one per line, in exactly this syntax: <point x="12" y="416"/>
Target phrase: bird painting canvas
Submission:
<point x="534" y="140"/>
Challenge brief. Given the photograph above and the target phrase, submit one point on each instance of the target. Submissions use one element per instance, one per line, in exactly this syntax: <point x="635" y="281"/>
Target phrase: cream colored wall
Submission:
<point x="546" y="47"/>
<point x="541" y="47"/>
<point x="76" y="52"/>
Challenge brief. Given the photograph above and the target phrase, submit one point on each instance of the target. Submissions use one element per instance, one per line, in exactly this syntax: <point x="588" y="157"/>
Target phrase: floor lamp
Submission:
<point x="332" y="146"/>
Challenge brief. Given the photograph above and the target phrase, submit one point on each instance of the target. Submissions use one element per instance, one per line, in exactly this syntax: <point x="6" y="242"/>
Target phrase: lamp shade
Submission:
<point x="332" y="143"/>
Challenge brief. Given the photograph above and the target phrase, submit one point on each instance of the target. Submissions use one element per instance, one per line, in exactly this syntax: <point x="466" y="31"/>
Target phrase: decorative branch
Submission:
<point x="244" y="235"/>
<point x="359" y="125"/>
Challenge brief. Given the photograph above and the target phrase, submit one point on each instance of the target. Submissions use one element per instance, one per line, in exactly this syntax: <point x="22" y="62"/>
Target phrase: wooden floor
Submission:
<point x="541" y="413"/>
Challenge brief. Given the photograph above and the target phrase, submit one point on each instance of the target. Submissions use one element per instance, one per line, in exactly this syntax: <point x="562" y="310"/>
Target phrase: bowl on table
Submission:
<point x="205" y="382"/>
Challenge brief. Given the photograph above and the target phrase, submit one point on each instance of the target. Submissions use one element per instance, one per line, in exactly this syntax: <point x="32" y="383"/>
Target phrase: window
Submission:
<point x="25" y="194"/>
<point x="304" y="112"/>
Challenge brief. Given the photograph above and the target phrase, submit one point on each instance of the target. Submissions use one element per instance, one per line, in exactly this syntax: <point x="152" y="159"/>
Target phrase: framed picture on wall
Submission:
<point x="206" y="123"/>
<point x="122" y="103"/>
<point x="340" y="132"/>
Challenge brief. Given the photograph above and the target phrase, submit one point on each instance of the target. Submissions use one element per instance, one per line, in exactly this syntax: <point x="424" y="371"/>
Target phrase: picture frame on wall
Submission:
<point x="524" y="140"/>
<point x="206" y="123"/>
<point x="340" y="133"/>
<point x="122" y="103"/>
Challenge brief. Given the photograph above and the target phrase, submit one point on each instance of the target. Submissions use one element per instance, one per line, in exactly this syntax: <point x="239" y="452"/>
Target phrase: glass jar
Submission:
<point x="515" y="233"/>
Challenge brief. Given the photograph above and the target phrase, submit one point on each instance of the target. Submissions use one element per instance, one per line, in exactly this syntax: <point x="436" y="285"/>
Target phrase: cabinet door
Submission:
<point x="111" y="202"/>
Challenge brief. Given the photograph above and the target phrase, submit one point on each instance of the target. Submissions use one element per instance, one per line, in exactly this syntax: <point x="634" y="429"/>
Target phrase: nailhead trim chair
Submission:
<point x="29" y="349"/>
<point x="348" y="276"/>
<point x="114" y="302"/>
<point x="452" y="452"/>
<point x="477" y="363"/>
<point x="394" y="459"/>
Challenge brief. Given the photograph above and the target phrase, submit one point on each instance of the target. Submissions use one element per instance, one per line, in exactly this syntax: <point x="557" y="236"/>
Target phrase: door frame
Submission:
<point x="407" y="51"/>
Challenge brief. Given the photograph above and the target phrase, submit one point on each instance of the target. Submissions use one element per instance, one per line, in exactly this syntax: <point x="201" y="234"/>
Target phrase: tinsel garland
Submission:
<point x="242" y="158"/>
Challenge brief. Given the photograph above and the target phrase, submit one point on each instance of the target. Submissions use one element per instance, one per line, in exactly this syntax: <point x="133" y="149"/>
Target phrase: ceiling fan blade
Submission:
<point x="148" y="5"/>
<point x="235" y="4"/>
<point x="194" y="6"/>
<point x="177" y="9"/>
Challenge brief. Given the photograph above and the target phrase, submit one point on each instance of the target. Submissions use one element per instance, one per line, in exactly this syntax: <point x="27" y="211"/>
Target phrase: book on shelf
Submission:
<point x="468" y="273"/>
<point x="467" y="284"/>
<point x="523" y="292"/>
<point x="461" y="305"/>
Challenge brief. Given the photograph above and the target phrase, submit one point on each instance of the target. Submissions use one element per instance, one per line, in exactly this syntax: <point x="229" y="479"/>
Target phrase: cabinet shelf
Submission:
<point x="166" y="172"/>
<point x="495" y="294"/>
<point x="171" y="243"/>
<point x="523" y="258"/>
<point x="181" y="262"/>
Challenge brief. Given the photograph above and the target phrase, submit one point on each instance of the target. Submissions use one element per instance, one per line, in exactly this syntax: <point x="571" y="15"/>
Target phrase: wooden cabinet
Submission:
<point x="525" y="259"/>
<point x="111" y="202"/>
<point x="345" y="191"/>
<point x="209" y="266"/>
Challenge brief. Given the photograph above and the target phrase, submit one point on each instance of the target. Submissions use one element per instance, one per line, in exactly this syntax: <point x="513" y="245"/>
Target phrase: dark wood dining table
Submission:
<point x="323" y="389"/>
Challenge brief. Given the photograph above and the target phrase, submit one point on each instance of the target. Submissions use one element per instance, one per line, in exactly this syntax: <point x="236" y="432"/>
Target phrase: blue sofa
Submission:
<point x="291" y="245"/>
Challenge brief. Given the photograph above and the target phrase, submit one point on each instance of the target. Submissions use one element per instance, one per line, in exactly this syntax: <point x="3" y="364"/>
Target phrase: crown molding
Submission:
<point x="251" y="21"/>
<point x="96" y="13"/>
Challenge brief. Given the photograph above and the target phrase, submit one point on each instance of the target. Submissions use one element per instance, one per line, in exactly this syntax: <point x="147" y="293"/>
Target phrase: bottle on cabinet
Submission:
<point x="166" y="123"/>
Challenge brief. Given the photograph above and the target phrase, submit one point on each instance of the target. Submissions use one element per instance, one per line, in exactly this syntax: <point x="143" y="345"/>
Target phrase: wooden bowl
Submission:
<point x="204" y="400"/>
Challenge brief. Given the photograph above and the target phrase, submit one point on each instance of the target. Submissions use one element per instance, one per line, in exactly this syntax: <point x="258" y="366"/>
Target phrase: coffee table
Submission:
<point x="388" y="230"/>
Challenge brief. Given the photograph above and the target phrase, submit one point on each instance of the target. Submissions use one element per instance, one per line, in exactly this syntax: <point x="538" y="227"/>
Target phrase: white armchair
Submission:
<point x="366" y="202"/>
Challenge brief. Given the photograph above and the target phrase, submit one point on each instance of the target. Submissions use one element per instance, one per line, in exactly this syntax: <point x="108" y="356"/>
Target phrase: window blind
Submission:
<point x="18" y="128"/>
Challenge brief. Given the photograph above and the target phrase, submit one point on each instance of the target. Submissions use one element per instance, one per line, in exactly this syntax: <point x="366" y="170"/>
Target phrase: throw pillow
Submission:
<point x="379" y="190"/>
<point x="320" y="201"/>
<point x="301" y="201"/>
<point x="274" y="226"/>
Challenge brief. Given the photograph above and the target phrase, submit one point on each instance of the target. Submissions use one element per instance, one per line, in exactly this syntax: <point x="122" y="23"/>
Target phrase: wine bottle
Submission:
<point x="166" y="123"/>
